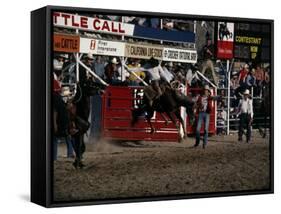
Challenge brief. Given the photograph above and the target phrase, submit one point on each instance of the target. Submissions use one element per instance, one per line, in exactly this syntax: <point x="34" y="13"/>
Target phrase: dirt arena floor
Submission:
<point x="137" y="169"/>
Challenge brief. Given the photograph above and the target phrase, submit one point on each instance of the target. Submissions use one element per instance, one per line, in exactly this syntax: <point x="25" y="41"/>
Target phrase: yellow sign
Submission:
<point x="248" y="40"/>
<point x="254" y="48"/>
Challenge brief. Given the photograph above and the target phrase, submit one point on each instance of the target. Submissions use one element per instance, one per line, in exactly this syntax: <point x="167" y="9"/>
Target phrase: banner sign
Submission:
<point x="66" y="43"/>
<point x="225" y="40"/>
<point x="101" y="47"/>
<point x="248" y="47"/>
<point x="179" y="55"/>
<point x="143" y="51"/>
<point x="248" y="40"/>
<point x="92" y="24"/>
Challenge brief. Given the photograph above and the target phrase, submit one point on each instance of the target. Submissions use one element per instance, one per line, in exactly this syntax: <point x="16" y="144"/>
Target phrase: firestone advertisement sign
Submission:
<point x="101" y="47"/>
<point x="225" y="40"/>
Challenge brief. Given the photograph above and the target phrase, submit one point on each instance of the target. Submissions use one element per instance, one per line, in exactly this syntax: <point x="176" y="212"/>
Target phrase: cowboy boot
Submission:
<point x="75" y="163"/>
<point x="81" y="165"/>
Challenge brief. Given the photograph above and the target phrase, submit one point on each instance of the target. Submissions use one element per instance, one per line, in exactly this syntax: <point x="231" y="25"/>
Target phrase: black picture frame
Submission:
<point x="41" y="62"/>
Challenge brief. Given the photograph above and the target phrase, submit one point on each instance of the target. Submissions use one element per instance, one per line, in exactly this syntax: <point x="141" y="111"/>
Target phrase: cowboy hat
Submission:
<point x="170" y="64"/>
<point x="246" y="92"/>
<point x="65" y="56"/>
<point x="89" y="56"/>
<point x="58" y="65"/>
<point x="114" y="61"/>
<point x="65" y="91"/>
<point x="206" y="87"/>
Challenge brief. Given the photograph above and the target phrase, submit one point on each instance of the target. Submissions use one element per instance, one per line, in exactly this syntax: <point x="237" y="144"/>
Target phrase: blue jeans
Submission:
<point x="202" y="117"/>
<point x="69" y="143"/>
<point x="69" y="146"/>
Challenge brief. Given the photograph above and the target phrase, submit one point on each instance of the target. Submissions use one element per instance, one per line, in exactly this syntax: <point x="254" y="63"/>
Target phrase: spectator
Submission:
<point x="154" y="22"/>
<point x="59" y="61"/>
<point x="259" y="74"/>
<point x="266" y="76"/>
<point x="168" y="25"/>
<point x="128" y="19"/>
<point x="136" y="66"/>
<point x="234" y="83"/>
<point x="111" y="72"/>
<point x="221" y="119"/>
<point x="88" y="61"/>
<point x="114" y="18"/>
<point x="180" y="74"/>
<point x="123" y="75"/>
<point x="250" y="80"/>
<point x="165" y="74"/>
<point x="208" y="65"/>
<point x="98" y="67"/>
<point x="243" y="74"/>
<point x="192" y="77"/>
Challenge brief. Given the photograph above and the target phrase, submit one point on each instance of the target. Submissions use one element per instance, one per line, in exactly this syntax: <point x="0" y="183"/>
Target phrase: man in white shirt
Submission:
<point x="245" y="112"/>
<point x="165" y="74"/>
<point x="191" y="75"/>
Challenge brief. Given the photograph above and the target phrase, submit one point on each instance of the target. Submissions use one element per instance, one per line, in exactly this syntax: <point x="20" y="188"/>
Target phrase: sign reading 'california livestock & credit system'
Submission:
<point x="143" y="51"/>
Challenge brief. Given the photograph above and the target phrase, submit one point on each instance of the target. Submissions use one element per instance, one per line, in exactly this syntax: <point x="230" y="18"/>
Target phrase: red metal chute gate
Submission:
<point x="117" y="105"/>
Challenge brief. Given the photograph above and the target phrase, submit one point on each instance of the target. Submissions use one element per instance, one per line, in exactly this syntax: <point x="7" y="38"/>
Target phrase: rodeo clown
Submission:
<point x="245" y="113"/>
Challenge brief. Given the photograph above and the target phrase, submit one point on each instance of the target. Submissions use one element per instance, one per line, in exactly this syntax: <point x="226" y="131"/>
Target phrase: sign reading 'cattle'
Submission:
<point x="66" y="43"/>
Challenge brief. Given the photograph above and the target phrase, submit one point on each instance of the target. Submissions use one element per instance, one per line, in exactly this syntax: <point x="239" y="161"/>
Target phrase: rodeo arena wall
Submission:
<point x="194" y="53"/>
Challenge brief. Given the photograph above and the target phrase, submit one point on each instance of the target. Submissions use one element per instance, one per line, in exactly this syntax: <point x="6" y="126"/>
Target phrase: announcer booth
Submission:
<point x="111" y="112"/>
